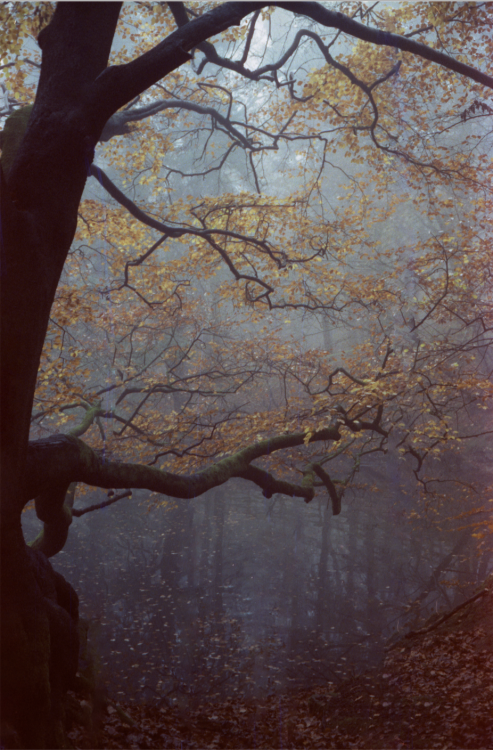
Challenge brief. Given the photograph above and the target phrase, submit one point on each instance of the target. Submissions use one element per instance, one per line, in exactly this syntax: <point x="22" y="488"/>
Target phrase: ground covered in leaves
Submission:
<point x="434" y="690"/>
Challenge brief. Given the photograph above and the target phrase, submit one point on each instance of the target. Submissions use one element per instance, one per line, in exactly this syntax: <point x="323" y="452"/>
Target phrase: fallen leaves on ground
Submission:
<point x="434" y="690"/>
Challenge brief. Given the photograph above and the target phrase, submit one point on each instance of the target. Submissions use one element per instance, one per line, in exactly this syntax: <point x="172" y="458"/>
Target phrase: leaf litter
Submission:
<point x="433" y="690"/>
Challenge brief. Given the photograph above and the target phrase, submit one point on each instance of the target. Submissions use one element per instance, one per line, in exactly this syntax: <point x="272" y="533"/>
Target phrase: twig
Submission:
<point x="413" y="633"/>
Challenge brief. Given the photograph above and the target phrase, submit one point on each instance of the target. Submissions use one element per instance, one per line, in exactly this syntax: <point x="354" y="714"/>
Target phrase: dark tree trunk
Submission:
<point x="40" y="649"/>
<point x="39" y="200"/>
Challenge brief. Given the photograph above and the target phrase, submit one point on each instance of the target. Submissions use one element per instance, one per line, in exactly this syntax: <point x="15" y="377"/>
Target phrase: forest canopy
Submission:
<point x="281" y="264"/>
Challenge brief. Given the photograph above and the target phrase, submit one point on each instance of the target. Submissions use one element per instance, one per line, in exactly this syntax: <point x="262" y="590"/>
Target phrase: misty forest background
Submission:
<point x="236" y="593"/>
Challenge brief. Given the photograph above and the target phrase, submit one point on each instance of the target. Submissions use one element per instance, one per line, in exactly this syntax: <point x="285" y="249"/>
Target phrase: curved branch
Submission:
<point x="336" y="20"/>
<point x="118" y="123"/>
<point x="175" y="232"/>
<point x="333" y="494"/>
<point x="349" y="26"/>
<point x="117" y="85"/>
<point x="56" y="464"/>
<point x="91" y="413"/>
<point x="54" y="506"/>
<point x="270" y="485"/>
<point x="62" y="459"/>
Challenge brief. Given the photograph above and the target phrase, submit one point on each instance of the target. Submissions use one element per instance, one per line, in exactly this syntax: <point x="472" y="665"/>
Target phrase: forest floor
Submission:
<point x="434" y="690"/>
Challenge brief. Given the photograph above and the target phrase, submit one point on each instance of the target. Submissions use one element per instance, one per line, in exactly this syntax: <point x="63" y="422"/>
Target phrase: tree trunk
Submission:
<point x="39" y="201"/>
<point x="323" y="596"/>
<point x="39" y="608"/>
<point x="40" y="646"/>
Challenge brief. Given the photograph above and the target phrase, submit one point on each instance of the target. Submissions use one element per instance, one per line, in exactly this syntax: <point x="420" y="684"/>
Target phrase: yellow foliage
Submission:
<point x="337" y="270"/>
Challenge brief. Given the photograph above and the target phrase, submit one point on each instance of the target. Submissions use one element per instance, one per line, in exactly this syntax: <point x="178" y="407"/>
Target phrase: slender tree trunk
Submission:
<point x="322" y="587"/>
<point x="217" y="603"/>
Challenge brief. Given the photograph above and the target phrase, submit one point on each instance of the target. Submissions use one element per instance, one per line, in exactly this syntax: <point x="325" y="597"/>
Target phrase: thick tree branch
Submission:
<point x="91" y="413"/>
<point x="62" y="459"/>
<point x="120" y="84"/>
<point x="349" y="26"/>
<point x="336" y="20"/>
<point x="57" y="463"/>
<point x="270" y="485"/>
<point x="54" y="506"/>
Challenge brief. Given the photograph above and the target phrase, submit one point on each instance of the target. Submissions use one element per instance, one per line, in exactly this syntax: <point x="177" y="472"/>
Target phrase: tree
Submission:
<point x="413" y="372"/>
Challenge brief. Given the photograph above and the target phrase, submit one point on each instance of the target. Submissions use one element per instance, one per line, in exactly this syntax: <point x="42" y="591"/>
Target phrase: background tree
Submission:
<point x="183" y="383"/>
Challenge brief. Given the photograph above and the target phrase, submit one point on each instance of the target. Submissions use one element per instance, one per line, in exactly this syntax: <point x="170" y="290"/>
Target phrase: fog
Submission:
<point x="235" y="592"/>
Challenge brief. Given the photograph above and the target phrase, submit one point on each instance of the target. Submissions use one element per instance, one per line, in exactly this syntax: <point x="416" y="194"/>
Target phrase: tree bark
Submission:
<point x="39" y="202"/>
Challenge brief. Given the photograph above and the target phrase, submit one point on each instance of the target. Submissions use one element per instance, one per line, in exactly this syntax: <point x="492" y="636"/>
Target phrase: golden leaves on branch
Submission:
<point x="372" y="234"/>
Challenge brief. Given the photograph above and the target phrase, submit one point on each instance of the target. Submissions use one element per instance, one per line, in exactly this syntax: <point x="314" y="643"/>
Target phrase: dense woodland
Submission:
<point x="246" y="373"/>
